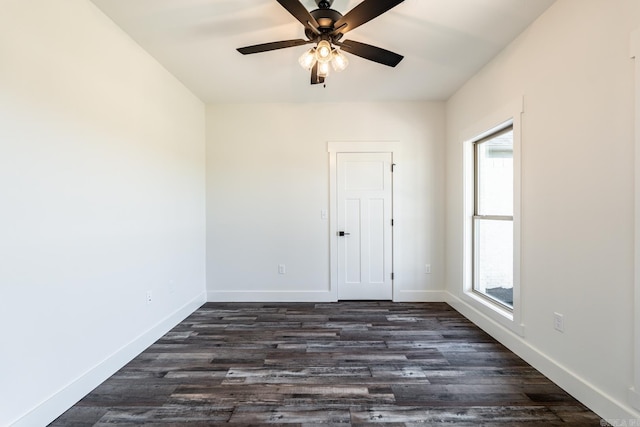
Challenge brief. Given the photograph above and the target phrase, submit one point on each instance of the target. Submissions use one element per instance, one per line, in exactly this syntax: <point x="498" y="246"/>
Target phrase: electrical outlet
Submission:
<point x="149" y="297"/>
<point x="558" y="322"/>
<point x="282" y="269"/>
<point x="427" y="269"/>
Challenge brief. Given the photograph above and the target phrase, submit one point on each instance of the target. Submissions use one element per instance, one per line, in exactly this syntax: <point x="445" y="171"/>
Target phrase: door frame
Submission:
<point x="334" y="148"/>
<point x="634" y="391"/>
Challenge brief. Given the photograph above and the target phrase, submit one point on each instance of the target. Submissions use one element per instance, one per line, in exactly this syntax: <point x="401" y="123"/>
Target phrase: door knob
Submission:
<point x="342" y="233"/>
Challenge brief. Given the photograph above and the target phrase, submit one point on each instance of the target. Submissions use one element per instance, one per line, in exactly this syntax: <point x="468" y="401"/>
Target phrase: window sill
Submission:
<point x="494" y="311"/>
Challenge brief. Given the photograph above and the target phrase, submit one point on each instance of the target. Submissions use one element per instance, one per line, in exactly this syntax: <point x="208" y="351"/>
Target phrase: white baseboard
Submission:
<point x="322" y="296"/>
<point x="595" y="399"/>
<point x="420" y="296"/>
<point x="270" y="296"/>
<point x="57" y="404"/>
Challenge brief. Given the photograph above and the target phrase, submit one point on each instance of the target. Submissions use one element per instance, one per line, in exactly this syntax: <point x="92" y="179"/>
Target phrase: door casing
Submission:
<point x="334" y="148"/>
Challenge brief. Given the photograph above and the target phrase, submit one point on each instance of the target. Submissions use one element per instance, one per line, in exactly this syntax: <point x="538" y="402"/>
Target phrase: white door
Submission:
<point x="364" y="208"/>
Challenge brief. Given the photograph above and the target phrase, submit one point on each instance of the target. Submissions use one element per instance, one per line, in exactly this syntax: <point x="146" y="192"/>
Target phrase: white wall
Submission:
<point x="268" y="181"/>
<point x="102" y="198"/>
<point x="572" y="66"/>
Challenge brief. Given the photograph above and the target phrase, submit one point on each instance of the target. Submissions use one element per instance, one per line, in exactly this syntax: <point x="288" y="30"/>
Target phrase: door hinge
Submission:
<point x="392" y="222"/>
<point x="393" y="166"/>
<point x="392" y="276"/>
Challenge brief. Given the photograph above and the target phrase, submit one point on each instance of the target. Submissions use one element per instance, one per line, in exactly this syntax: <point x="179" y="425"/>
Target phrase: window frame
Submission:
<point x="508" y="127"/>
<point x="510" y="114"/>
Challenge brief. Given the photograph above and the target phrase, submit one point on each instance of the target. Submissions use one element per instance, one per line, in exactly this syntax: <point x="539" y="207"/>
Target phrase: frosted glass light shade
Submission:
<point x="339" y="61"/>
<point x="308" y="59"/>
<point x="323" y="69"/>
<point x="323" y="51"/>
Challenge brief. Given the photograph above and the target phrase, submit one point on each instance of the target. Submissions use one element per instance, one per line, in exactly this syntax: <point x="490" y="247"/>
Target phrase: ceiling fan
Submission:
<point x="325" y="28"/>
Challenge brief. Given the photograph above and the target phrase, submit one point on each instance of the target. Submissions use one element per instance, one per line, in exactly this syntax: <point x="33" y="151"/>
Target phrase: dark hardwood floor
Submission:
<point x="353" y="363"/>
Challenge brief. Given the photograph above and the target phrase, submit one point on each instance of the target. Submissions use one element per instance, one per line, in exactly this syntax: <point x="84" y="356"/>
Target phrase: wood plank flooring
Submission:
<point x="350" y="363"/>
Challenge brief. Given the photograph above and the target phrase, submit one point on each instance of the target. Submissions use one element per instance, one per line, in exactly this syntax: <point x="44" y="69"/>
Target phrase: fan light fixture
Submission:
<point x="323" y="51"/>
<point x="339" y="60"/>
<point x="308" y="59"/>
<point x="323" y="55"/>
<point x="323" y="69"/>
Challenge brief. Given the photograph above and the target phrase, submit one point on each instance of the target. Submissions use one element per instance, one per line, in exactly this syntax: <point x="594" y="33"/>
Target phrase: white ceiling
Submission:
<point x="444" y="42"/>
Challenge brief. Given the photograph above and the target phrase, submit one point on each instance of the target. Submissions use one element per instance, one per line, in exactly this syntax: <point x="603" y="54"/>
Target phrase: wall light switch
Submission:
<point x="282" y="269"/>
<point x="427" y="269"/>
<point x="324" y="214"/>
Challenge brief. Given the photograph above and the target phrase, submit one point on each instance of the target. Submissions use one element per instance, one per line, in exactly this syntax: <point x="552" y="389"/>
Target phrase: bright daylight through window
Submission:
<point x="493" y="217"/>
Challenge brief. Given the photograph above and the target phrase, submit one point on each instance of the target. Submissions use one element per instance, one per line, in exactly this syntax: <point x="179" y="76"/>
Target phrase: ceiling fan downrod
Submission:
<point x="324" y="4"/>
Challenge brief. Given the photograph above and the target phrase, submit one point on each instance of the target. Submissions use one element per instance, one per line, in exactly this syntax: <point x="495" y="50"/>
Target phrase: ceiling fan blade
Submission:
<point x="265" y="47"/>
<point x="295" y="8"/>
<point x="372" y="53"/>
<point x="363" y="13"/>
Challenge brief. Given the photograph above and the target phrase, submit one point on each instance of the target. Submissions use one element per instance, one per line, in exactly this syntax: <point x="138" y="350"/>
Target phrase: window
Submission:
<point x="491" y="213"/>
<point x="492" y="275"/>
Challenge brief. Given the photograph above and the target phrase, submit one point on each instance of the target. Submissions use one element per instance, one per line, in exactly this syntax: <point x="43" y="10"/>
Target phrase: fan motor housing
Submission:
<point x="326" y="19"/>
